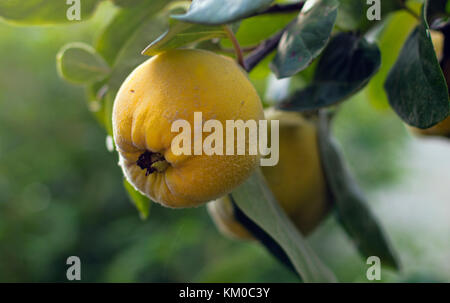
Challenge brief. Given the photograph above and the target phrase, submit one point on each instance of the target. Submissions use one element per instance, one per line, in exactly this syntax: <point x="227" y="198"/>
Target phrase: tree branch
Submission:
<point x="281" y="8"/>
<point x="267" y="46"/>
<point x="262" y="51"/>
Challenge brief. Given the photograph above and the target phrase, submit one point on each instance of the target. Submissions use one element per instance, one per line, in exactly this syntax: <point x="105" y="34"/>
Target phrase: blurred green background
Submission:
<point x="61" y="191"/>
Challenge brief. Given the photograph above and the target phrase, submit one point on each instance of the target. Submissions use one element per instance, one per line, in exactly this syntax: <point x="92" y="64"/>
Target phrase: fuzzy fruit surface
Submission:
<point x="172" y="86"/>
<point x="297" y="181"/>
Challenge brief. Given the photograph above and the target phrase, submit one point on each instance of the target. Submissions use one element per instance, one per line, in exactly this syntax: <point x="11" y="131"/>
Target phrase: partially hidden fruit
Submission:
<point x="222" y="213"/>
<point x="440" y="129"/>
<point x="172" y="86"/>
<point x="297" y="181"/>
<point x="438" y="43"/>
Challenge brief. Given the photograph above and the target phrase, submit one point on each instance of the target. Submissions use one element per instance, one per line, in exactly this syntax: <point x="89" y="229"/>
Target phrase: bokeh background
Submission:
<point x="61" y="190"/>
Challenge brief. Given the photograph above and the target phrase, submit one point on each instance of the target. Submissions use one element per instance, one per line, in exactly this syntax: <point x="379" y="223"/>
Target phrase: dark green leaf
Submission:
<point x="257" y="202"/>
<point x="346" y="65"/>
<point x="124" y="25"/>
<point x="216" y="12"/>
<point x="80" y="63"/>
<point x="183" y="33"/>
<point x="306" y="38"/>
<point x="141" y="202"/>
<point x="416" y="86"/>
<point x="352" y="208"/>
<point x="100" y="103"/>
<point x="40" y="12"/>
<point x="391" y="41"/>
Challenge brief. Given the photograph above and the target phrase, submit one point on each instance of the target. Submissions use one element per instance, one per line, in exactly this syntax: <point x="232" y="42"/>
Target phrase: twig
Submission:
<point x="281" y="8"/>
<point x="236" y="46"/>
<point x="262" y="51"/>
<point x="267" y="46"/>
<point x="245" y="49"/>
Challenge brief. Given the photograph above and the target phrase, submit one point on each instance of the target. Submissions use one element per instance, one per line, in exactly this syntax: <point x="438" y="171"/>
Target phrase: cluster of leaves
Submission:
<point x="326" y="43"/>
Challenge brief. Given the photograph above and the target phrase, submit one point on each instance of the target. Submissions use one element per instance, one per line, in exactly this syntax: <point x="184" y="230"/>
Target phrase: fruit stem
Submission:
<point x="265" y="48"/>
<point x="236" y="45"/>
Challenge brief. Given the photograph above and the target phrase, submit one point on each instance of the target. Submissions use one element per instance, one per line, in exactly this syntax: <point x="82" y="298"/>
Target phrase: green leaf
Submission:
<point x="96" y="93"/>
<point x="122" y="43"/>
<point x="416" y="86"/>
<point x="130" y="56"/>
<point x="43" y="12"/>
<point x="257" y="202"/>
<point x="183" y="33"/>
<point x="80" y="63"/>
<point x="123" y="26"/>
<point x="141" y="202"/>
<point x="352" y="208"/>
<point x="391" y="41"/>
<point x="124" y="58"/>
<point x="351" y="14"/>
<point x="108" y="105"/>
<point x="217" y="12"/>
<point x="306" y="38"/>
<point x="345" y="67"/>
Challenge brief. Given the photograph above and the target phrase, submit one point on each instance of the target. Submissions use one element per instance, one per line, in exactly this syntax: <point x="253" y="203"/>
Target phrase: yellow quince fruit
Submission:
<point x="169" y="87"/>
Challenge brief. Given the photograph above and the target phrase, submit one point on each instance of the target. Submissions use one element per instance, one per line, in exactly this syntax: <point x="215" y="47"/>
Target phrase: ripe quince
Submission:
<point x="170" y="86"/>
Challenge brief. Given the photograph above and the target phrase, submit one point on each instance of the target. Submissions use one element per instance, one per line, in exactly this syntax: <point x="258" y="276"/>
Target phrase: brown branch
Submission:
<point x="265" y="48"/>
<point x="281" y="8"/>
<point x="262" y="51"/>
<point x="245" y="49"/>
